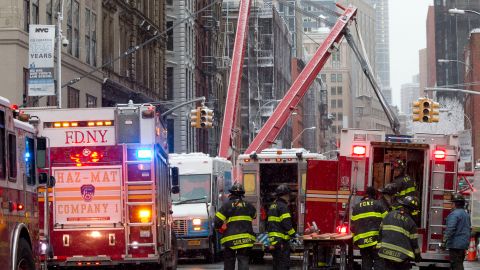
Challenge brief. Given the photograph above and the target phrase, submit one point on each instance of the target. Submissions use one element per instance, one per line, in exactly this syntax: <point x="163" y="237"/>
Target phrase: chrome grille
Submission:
<point x="180" y="227"/>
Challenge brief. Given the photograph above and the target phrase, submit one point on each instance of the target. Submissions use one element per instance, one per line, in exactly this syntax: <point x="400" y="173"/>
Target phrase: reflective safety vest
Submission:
<point x="406" y="186"/>
<point x="365" y="222"/>
<point x="238" y="216"/>
<point x="398" y="239"/>
<point x="279" y="222"/>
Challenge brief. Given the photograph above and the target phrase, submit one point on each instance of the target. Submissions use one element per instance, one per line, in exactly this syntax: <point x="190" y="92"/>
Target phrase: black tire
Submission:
<point x="172" y="259"/>
<point x="210" y="253"/>
<point x="24" y="256"/>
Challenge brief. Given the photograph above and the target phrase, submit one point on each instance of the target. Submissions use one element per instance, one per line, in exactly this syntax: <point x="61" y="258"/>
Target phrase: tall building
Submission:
<point x="98" y="32"/>
<point x="382" y="47"/>
<point x="267" y="69"/>
<point x="451" y="36"/>
<point x="409" y="93"/>
<point x="180" y="72"/>
<point x="289" y="10"/>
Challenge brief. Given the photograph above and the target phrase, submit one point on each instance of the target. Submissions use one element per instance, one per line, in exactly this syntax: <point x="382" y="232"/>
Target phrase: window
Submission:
<point x="323" y="77"/>
<point x="91" y="101"/>
<point x="340" y="116"/>
<point x="73" y="98"/>
<point x="170" y="36"/>
<point x="339" y="77"/>
<point x="333" y="90"/>
<point x="3" y="162"/>
<point x="90" y="37"/>
<point x="12" y="156"/>
<point x="35" y="17"/>
<point x="93" y="31"/>
<point x="340" y="103"/>
<point x="333" y="77"/>
<point x="26" y="15"/>
<point x="169" y="2"/>
<point x="169" y="78"/>
<point x="87" y="35"/>
<point x="30" y="161"/>
<point x="339" y="90"/>
<point x="107" y="38"/>
<point x="73" y="21"/>
<point x="333" y="103"/>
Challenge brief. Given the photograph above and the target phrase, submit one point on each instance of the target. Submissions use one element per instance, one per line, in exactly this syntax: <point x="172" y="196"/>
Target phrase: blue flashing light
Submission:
<point x="144" y="153"/>
<point x="27" y="156"/>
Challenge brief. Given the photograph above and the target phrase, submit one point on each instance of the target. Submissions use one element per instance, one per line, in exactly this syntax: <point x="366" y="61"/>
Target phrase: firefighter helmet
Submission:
<point x="389" y="189"/>
<point x="282" y="190"/>
<point x="410" y="202"/>
<point x="457" y="197"/>
<point x="237" y="189"/>
<point x="399" y="164"/>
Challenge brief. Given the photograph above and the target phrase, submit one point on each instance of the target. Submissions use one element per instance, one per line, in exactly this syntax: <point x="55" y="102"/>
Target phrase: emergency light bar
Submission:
<point x="144" y="154"/>
<point x="66" y="124"/>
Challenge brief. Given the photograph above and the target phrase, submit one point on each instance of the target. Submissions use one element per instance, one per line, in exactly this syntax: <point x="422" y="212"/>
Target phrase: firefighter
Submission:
<point x="280" y="228"/>
<point x="457" y="234"/>
<point x="389" y="196"/>
<point x="398" y="244"/>
<point x="366" y="218"/>
<point x="234" y="222"/>
<point x="406" y="184"/>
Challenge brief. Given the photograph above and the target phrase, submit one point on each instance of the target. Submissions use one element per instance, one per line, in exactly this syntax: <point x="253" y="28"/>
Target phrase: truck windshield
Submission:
<point x="193" y="187"/>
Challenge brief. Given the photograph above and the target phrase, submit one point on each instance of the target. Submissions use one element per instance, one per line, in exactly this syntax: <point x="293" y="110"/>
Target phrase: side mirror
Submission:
<point x="174" y="176"/>
<point x="175" y="181"/>
<point x="41" y="152"/>
<point x="43" y="179"/>
<point x="51" y="183"/>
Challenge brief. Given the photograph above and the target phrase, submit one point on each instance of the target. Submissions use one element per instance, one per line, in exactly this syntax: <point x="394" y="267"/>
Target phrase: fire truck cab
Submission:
<point x="19" y="233"/>
<point x="204" y="182"/>
<point x="111" y="204"/>
<point x="365" y="159"/>
<point x="262" y="172"/>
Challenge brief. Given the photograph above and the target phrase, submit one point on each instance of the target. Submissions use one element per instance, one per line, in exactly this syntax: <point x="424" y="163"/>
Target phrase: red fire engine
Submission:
<point x="111" y="204"/>
<point x="365" y="159"/>
<point x="19" y="243"/>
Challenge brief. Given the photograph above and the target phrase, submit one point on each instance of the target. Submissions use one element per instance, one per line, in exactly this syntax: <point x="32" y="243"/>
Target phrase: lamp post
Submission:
<point x="59" y="54"/>
<point x="296" y="138"/>
<point x="456" y="11"/>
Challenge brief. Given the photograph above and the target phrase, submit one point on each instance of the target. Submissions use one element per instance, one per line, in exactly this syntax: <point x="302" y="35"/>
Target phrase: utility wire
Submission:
<point x="134" y="49"/>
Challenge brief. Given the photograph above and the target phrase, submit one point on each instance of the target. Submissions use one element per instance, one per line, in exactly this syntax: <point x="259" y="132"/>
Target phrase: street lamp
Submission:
<point x="454" y="61"/>
<point x="455" y="11"/>
<point x="296" y="138"/>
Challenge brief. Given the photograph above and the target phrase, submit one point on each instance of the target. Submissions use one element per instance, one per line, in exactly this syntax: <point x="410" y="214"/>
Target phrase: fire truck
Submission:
<point x="261" y="173"/>
<point x="364" y="159"/>
<point x="111" y="204"/>
<point x="19" y="233"/>
<point x="204" y="182"/>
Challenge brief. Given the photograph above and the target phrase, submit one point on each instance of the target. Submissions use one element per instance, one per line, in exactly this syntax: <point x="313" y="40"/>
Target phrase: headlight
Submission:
<point x="197" y="222"/>
<point x="95" y="234"/>
<point x="43" y="248"/>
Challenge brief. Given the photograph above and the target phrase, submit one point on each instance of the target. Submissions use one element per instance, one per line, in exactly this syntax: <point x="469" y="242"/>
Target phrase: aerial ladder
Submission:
<point x="300" y="86"/>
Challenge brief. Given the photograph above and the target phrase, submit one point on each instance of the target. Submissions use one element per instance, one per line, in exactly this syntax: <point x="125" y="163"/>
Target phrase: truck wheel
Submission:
<point x="210" y="253"/>
<point x="24" y="256"/>
<point x="172" y="259"/>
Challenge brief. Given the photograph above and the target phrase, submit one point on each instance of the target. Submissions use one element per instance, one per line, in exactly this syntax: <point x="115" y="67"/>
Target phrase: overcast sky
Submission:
<point x="407" y="37"/>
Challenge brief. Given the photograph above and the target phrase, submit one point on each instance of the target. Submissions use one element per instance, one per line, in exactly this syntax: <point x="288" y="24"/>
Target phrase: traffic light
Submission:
<point x="416" y="111"/>
<point x="434" y="112"/>
<point x="426" y="106"/>
<point x="206" y="117"/>
<point x="195" y="118"/>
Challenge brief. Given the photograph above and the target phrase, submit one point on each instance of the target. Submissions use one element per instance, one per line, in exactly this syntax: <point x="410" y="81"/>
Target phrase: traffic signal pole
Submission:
<point x="202" y="99"/>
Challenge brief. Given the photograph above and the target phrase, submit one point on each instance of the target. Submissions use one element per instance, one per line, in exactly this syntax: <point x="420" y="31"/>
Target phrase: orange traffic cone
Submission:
<point x="472" y="253"/>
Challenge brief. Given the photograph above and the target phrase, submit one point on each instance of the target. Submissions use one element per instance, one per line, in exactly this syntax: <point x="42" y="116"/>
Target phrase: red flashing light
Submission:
<point x="342" y="229"/>
<point x="359" y="150"/>
<point x="14" y="107"/>
<point x="20" y="207"/>
<point x="439" y="154"/>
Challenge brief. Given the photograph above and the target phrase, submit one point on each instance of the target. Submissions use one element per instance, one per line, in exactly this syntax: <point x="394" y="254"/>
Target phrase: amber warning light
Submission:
<point x="359" y="150"/>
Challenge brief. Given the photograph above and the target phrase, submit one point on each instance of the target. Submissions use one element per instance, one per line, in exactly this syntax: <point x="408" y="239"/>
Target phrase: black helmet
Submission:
<point x="410" y="202"/>
<point x="237" y="189"/>
<point x="399" y="164"/>
<point x="389" y="189"/>
<point x="371" y="192"/>
<point x="457" y="197"/>
<point x="282" y="190"/>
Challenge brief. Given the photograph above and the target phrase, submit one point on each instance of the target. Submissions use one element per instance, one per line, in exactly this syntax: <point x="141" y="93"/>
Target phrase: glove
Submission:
<point x="223" y="228"/>
<point x="418" y="257"/>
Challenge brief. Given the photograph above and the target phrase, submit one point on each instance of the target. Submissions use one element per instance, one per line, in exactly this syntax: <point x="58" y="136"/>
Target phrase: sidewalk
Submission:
<point x="468" y="265"/>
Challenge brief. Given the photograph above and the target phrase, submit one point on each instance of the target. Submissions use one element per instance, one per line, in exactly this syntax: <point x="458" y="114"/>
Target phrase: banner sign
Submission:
<point x="40" y="60"/>
<point x="89" y="195"/>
